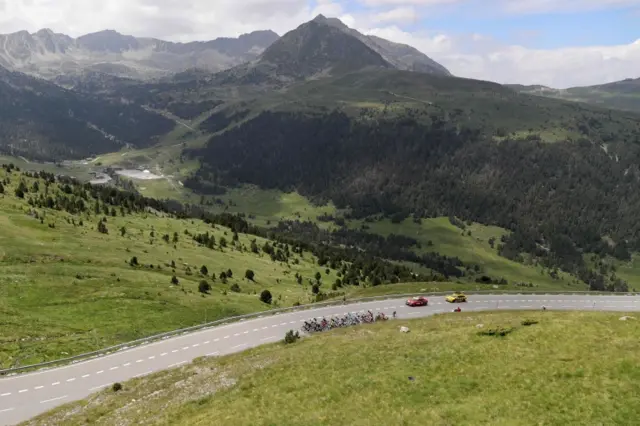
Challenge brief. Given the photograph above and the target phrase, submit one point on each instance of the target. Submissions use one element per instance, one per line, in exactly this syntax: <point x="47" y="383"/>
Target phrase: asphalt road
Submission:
<point x="25" y="396"/>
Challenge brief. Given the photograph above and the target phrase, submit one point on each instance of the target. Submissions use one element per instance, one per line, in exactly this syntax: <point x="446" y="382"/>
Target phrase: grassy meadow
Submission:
<point x="443" y="372"/>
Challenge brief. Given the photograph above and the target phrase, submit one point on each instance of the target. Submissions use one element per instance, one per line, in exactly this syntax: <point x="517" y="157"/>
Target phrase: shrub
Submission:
<point x="204" y="286"/>
<point x="235" y="288"/>
<point x="266" y="297"/>
<point x="133" y="261"/>
<point x="174" y="280"/>
<point x="204" y="271"/>
<point x="291" y="337"/>
<point x="499" y="331"/>
<point x="117" y="387"/>
<point x="249" y="274"/>
<point x="528" y="322"/>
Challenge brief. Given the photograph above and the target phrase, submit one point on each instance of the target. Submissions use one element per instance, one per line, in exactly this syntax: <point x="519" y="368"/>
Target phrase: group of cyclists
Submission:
<point x="315" y="325"/>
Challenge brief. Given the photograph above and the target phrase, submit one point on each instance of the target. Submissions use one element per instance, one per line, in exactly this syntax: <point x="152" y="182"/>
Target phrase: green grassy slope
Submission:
<point x="497" y="110"/>
<point x="546" y="373"/>
<point x="71" y="289"/>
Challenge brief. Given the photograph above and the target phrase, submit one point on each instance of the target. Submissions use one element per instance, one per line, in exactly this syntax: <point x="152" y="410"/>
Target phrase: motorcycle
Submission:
<point x="457" y="309"/>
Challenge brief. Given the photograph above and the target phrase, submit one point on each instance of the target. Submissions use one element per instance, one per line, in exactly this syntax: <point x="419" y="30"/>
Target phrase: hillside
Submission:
<point x="48" y="54"/>
<point x="84" y="267"/>
<point x="401" y="143"/>
<point x="40" y="120"/>
<point x="624" y="95"/>
<point x="445" y="371"/>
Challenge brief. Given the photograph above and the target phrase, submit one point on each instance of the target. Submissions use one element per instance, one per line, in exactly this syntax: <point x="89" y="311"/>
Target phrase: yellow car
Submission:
<point x="456" y="298"/>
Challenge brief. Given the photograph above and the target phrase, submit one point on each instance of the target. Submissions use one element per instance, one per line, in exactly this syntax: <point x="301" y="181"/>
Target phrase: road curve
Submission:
<point x="27" y="395"/>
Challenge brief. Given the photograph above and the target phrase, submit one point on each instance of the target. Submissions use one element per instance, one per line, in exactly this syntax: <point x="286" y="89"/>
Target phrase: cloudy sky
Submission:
<point x="558" y="43"/>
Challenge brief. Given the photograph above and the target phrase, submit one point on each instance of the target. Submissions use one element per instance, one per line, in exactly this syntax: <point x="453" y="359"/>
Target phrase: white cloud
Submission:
<point x="409" y="2"/>
<point x="543" y="6"/>
<point x="399" y="14"/>
<point x="170" y="19"/>
<point x="481" y="57"/>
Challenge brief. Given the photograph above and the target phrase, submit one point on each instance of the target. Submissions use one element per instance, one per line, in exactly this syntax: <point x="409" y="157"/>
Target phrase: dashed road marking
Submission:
<point x="38" y="387"/>
<point x="246" y="332"/>
<point x="53" y="399"/>
<point x="85" y="376"/>
<point x="264" y="328"/>
<point x="55" y="383"/>
<point x="216" y="340"/>
<point x="236" y="335"/>
<point x="226" y="337"/>
<point x="152" y="357"/>
<point x="113" y="368"/>
<point x="4" y="410"/>
<point x="100" y="372"/>
<point x="255" y="329"/>
<point x="23" y="390"/>
<point x="6" y="394"/>
<point x="73" y="379"/>
<point x="126" y="365"/>
<point x="163" y="354"/>
<point x="274" y="325"/>
<point x="207" y="342"/>
<point x="185" y="348"/>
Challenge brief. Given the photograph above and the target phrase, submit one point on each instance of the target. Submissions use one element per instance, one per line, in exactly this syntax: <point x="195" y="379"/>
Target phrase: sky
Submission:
<point x="557" y="43"/>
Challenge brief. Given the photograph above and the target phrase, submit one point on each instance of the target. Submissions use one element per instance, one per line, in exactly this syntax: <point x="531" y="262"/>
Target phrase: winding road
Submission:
<point x="27" y="395"/>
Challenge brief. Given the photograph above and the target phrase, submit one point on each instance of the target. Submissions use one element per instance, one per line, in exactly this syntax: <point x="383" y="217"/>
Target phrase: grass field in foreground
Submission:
<point x="569" y="368"/>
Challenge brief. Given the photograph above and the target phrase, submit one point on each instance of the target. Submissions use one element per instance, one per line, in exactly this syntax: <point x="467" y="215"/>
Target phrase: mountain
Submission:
<point x="321" y="48"/>
<point x="397" y="143"/>
<point x="48" y="54"/>
<point x="623" y="94"/>
<point x="41" y="120"/>
<point x="401" y="56"/>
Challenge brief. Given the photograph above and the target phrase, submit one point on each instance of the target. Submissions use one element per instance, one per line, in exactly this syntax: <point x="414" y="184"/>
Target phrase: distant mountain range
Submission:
<point x="48" y="54"/>
<point x="51" y="55"/>
<point x="624" y="94"/>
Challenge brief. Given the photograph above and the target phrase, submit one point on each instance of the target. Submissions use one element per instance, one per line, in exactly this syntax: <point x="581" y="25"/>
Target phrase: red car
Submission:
<point x="418" y="301"/>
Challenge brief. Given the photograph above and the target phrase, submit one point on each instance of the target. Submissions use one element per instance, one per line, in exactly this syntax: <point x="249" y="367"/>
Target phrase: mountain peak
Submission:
<point x="319" y="18"/>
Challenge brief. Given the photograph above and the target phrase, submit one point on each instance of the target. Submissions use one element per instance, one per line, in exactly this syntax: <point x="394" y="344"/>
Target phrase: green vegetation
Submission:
<point x="515" y="369"/>
<point x="67" y="288"/>
<point x="624" y="95"/>
<point x="41" y="120"/>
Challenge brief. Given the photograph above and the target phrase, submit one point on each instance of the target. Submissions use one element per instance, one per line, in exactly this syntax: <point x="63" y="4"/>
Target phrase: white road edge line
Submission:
<point x="142" y="374"/>
<point x="6" y="409"/>
<point x="101" y="386"/>
<point x="268" y="338"/>
<point x="213" y="353"/>
<point x="53" y="399"/>
<point x="239" y="346"/>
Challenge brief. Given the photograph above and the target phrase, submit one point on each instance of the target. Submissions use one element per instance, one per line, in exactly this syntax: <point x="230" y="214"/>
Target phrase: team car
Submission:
<point x="456" y="298"/>
<point x="418" y="301"/>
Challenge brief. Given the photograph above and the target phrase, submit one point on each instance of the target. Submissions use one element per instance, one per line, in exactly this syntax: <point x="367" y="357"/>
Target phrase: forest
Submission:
<point x="558" y="199"/>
